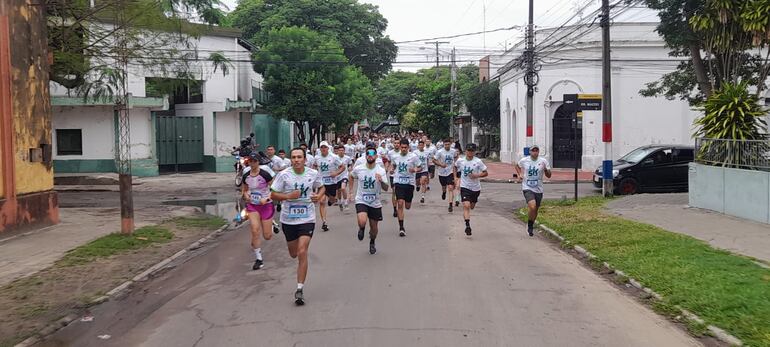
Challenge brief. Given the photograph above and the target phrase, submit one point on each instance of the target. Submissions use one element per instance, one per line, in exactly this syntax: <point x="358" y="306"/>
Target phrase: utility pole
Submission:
<point x="607" y="184"/>
<point x="123" y="151"/>
<point x="453" y="93"/>
<point x="531" y="77"/>
<point x="437" y="43"/>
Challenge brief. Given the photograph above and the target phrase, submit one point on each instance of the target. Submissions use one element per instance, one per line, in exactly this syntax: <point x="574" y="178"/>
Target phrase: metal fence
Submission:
<point x="740" y="154"/>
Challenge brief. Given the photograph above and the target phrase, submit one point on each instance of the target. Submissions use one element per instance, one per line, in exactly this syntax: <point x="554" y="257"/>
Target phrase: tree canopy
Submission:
<point x="358" y="27"/>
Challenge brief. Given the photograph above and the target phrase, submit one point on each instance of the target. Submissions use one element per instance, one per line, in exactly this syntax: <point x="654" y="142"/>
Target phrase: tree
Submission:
<point x="358" y="27"/>
<point x="394" y="92"/>
<point x="301" y="69"/>
<point x="483" y="103"/>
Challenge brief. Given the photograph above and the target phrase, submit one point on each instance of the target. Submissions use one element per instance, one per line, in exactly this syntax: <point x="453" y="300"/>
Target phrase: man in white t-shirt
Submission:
<point x="404" y="165"/>
<point x="445" y="159"/>
<point x="295" y="188"/>
<point x="530" y="171"/>
<point x="329" y="166"/>
<point x="470" y="169"/>
<point x="344" y="178"/>
<point x="424" y="155"/>
<point x="371" y="182"/>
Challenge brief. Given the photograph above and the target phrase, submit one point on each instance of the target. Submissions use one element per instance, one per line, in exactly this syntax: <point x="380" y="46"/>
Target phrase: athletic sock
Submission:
<point x="467" y="222"/>
<point x="258" y="253"/>
<point x="371" y="241"/>
<point x="300" y="286"/>
<point x="401" y="225"/>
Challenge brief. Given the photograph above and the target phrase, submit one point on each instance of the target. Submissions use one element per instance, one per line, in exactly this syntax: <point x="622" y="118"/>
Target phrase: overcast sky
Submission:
<point x="423" y="19"/>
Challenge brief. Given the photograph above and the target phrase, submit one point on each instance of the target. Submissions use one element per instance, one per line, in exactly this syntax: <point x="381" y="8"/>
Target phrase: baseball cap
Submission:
<point x="470" y="147"/>
<point x="534" y="146"/>
<point x="324" y="143"/>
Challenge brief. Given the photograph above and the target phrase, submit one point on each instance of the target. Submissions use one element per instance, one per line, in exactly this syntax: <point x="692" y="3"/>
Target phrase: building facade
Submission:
<point x="573" y="65"/>
<point x="193" y="130"/>
<point x="27" y="198"/>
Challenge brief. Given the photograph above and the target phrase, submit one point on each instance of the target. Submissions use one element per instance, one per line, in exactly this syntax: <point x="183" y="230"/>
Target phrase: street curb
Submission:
<point x="67" y="320"/>
<point x="717" y="332"/>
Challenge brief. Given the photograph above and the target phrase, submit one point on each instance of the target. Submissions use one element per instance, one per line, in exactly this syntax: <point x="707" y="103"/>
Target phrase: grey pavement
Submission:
<point x="436" y="287"/>
<point x="87" y="215"/>
<point x="671" y="212"/>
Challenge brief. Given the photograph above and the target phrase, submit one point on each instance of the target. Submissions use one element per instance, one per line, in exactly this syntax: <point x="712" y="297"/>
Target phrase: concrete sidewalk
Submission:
<point x="671" y="212"/>
<point x="503" y="173"/>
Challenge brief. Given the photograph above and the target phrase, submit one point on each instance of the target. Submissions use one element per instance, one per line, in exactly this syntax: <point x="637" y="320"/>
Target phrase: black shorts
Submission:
<point x="420" y="175"/>
<point x="371" y="212"/>
<point x="344" y="180"/>
<point x="530" y="195"/>
<point x="469" y="195"/>
<point x="432" y="170"/>
<point x="404" y="192"/>
<point x="331" y="189"/>
<point x="446" y="180"/>
<point x="293" y="232"/>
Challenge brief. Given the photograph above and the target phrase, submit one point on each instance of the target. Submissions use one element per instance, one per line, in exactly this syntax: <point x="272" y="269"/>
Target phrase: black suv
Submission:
<point x="653" y="168"/>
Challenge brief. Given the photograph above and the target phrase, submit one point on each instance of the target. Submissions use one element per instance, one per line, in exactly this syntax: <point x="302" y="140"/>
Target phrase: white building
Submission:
<point x="195" y="129"/>
<point x="571" y="64"/>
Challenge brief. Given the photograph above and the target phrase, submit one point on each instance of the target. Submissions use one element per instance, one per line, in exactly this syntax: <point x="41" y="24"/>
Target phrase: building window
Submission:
<point x="180" y="91"/>
<point x="69" y="142"/>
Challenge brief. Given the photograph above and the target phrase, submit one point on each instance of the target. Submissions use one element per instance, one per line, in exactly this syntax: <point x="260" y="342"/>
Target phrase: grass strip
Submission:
<point x="727" y="290"/>
<point x="204" y="221"/>
<point x="116" y="243"/>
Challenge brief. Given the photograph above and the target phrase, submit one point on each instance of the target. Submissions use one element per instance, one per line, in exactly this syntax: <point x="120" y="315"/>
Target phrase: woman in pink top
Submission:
<point x="256" y="193"/>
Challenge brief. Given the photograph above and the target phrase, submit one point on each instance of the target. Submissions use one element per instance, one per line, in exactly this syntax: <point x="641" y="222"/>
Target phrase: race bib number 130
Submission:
<point x="298" y="211"/>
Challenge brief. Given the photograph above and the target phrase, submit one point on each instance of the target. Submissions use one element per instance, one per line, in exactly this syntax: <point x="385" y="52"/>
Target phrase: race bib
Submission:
<point x="328" y="180"/>
<point x="369" y="197"/>
<point x="532" y="183"/>
<point x="403" y="180"/>
<point x="256" y="197"/>
<point x="298" y="211"/>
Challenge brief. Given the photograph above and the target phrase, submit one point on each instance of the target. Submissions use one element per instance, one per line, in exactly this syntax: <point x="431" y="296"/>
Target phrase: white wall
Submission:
<point x="97" y="124"/>
<point x="637" y="120"/>
<point x="97" y="127"/>
<point x="228" y="133"/>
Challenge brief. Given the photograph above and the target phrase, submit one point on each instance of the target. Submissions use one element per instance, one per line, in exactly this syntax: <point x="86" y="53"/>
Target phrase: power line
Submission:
<point x="461" y="35"/>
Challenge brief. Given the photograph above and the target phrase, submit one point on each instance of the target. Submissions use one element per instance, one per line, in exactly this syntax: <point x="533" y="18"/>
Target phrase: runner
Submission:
<point x="533" y="167"/>
<point x="294" y="188"/>
<point x="405" y="164"/>
<point x="470" y="170"/>
<point x="276" y="163"/>
<point x="371" y="183"/>
<point x="458" y="151"/>
<point x="343" y="178"/>
<point x="391" y="172"/>
<point x="256" y="193"/>
<point x="445" y="158"/>
<point x="286" y="162"/>
<point x="309" y="158"/>
<point x="422" y="176"/>
<point x="432" y="149"/>
<point x="329" y="166"/>
<point x="350" y="148"/>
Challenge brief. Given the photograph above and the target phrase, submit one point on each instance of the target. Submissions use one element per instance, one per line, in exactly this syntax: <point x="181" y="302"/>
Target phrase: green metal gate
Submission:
<point x="179" y="143"/>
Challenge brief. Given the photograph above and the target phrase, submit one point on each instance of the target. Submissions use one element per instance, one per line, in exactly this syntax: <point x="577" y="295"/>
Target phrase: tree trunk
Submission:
<point x="700" y="70"/>
<point x="300" y="132"/>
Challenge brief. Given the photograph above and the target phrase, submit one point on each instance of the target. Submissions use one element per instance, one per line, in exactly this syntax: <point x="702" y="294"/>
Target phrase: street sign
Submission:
<point x="589" y="102"/>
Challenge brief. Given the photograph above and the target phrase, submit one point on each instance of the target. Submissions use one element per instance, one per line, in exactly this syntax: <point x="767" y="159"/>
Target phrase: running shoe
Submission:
<point x="324" y="227"/>
<point x="276" y="228"/>
<point x="360" y="234"/>
<point x="450" y="208"/>
<point x="530" y="231"/>
<point x="342" y="207"/>
<point x="372" y="249"/>
<point x="468" y="231"/>
<point x="258" y="264"/>
<point x="443" y="196"/>
<point x="418" y="188"/>
<point x="457" y="203"/>
<point x="422" y="200"/>
<point x="402" y="233"/>
<point x="299" y="297"/>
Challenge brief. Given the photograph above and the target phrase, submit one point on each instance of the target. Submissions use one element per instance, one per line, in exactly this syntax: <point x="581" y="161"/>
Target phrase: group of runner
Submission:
<point x="293" y="186"/>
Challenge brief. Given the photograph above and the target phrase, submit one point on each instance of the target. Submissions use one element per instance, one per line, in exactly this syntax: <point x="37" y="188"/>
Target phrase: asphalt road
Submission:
<point x="436" y="287"/>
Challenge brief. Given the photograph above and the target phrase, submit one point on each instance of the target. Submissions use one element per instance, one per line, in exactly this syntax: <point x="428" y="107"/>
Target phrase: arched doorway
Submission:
<point x="563" y="145"/>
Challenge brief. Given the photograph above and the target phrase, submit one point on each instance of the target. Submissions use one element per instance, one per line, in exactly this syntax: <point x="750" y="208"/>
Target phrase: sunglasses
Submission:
<point x="371" y="152"/>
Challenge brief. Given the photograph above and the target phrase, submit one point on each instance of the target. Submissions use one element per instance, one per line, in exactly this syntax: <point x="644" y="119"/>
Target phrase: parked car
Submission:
<point x="653" y="168"/>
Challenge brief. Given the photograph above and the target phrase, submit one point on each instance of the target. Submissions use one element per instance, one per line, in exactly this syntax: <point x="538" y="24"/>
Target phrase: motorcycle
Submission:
<point x="241" y="155"/>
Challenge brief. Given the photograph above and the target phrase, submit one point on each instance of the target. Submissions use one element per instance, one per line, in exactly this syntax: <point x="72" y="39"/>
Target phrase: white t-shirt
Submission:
<point x="350" y="150"/>
<point x="346" y="161"/>
<point x="401" y="165"/>
<point x="276" y="163"/>
<point x="362" y="161"/>
<point x="424" y="157"/>
<point x="369" y="190"/>
<point x="466" y="167"/>
<point x="301" y="210"/>
<point x="286" y="163"/>
<point x="431" y="154"/>
<point x="533" y="171"/>
<point x="309" y="160"/>
<point x="326" y="165"/>
<point x="448" y="158"/>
